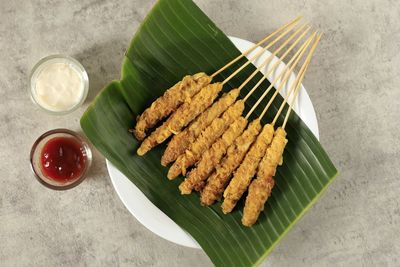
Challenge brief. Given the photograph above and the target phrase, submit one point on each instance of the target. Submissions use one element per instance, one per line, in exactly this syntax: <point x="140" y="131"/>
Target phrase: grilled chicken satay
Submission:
<point x="243" y="175"/>
<point x="205" y="140"/>
<point x="212" y="157"/>
<point x="169" y="102"/>
<point x="218" y="180"/>
<point x="180" y="142"/>
<point x="193" y="108"/>
<point x="260" y="188"/>
<point x="247" y="169"/>
<point x="189" y="86"/>
<point x="181" y="117"/>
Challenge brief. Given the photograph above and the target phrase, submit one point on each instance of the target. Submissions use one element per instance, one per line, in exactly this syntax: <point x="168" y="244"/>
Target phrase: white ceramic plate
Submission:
<point x="153" y="218"/>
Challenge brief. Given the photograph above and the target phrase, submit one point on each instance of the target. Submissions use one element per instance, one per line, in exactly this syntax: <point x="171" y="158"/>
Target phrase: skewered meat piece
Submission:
<point x="218" y="180"/>
<point x="180" y="142"/>
<point x="212" y="157"/>
<point x="169" y="102"/>
<point x="181" y="117"/>
<point x="260" y="189"/>
<point x="205" y="140"/>
<point x="247" y="169"/>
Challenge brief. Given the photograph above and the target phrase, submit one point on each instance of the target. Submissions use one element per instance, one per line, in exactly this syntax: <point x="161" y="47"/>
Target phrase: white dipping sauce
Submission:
<point x="58" y="86"/>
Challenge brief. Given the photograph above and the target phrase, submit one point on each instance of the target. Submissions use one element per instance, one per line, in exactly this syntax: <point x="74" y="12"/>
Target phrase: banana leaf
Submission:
<point x="174" y="40"/>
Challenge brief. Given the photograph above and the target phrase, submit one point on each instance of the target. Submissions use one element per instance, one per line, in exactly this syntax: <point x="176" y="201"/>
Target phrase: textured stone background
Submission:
<point x="353" y="83"/>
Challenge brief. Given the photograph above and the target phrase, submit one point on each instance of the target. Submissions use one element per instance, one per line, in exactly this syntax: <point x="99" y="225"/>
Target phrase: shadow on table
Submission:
<point x="103" y="63"/>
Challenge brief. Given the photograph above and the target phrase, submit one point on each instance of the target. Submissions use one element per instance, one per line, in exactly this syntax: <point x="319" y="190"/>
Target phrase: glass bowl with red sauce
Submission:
<point x="60" y="159"/>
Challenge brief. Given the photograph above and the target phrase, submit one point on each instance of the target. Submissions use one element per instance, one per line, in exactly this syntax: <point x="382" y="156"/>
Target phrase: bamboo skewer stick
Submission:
<point x="260" y="188"/>
<point x="299" y="83"/>
<point x="290" y="66"/>
<point x="280" y="59"/>
<point x="248" y="168"/>
<point x="272" y="55"/>
<point x="259" y="53"/>
<point x="248" y="51"/>
<point x="295" y="85"/>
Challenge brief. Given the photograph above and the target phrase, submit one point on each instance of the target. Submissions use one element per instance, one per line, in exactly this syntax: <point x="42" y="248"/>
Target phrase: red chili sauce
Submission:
<point x="63" y="159"/>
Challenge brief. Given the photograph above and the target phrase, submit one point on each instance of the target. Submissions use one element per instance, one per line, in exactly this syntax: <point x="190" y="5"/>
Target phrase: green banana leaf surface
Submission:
<point x="174" y="40"/>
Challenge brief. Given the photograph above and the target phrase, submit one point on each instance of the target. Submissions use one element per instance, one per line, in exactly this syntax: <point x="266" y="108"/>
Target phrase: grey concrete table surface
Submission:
<point x="354" y="85"/>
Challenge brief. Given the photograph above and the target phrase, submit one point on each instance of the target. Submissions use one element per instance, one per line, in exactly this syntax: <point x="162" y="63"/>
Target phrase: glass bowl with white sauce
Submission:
<point x="58" y="84"/>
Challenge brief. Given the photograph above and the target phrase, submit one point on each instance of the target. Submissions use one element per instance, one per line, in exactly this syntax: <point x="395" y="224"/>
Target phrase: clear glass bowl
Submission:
<point x="35" y="159"/>
<point x="58" y="59"/>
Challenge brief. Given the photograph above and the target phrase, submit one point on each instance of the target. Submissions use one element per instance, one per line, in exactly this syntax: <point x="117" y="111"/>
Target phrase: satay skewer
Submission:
<point x="212" y="156"/>
<point x="181" y="141"/>
<point x="205" y="140"/>
<point x="182" y="91"/>
<point x="262" y="51"/>
<point x="273" y="54"/>
<point x="247" y="169"/>
<point x="189" y="110"/>
<point x="169" y="102"/>
<point x="219" y="179"/>
<point x="251" y="49"/>
<point x="261" y="187"/>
